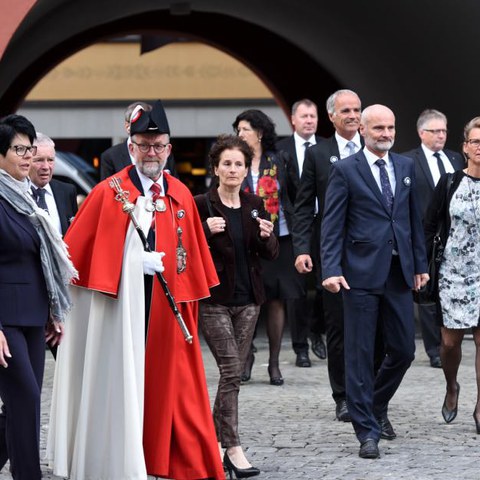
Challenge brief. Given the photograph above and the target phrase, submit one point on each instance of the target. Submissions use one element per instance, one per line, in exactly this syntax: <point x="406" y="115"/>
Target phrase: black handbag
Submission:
<point x="429" y="293"/>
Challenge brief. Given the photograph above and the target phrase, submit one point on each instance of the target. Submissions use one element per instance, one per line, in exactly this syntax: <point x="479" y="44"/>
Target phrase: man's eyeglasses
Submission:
<point x="436" y="131"/>
<point x="145" y="147"/>
<point x="21" y="150"/>
<point x="474" y="142"/>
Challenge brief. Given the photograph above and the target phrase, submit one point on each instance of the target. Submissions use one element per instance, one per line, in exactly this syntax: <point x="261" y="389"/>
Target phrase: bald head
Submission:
<point x="377" y="127"/>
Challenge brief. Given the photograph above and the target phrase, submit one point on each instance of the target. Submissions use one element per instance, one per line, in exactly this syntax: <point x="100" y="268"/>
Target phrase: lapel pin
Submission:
<point x="180" y="214"/>
<point x="333" y="159"/>
<point x="407" y="181"/>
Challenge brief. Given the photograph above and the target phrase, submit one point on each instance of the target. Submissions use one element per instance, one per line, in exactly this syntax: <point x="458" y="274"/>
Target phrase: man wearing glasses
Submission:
<point x="431" y="162"/>
<point x="134" y="386"/>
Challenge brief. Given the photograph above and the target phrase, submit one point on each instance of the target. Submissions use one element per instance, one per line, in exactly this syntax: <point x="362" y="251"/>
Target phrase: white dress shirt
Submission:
<point x="300" y="149"/>
<point x="371" y="159"/>
<point x="51" y="205"/>
<point x="433" y="164"/>
<point x="343" y="149"/>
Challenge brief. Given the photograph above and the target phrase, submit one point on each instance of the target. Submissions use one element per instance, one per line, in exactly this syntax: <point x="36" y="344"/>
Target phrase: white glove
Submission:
<point x="152" y="262"/>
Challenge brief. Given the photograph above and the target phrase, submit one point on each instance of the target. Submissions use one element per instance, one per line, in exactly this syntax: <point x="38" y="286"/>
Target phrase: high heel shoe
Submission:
<point x="449" y="415"/>
<point x="477" y="422"/>
<point x="239" y="472"/>
<point x="247" y="369"/>
<point x="276" y="380"/>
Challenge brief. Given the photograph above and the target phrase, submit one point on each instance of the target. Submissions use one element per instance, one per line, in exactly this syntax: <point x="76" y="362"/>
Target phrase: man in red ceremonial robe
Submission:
<point x="130" y="395"/>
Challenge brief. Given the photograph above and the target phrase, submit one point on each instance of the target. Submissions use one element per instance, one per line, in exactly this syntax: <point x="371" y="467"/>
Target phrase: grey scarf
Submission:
<point x="57" y="268"/>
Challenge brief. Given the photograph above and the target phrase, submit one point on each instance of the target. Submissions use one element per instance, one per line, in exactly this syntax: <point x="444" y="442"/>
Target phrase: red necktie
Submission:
<point x="155" y="189"/>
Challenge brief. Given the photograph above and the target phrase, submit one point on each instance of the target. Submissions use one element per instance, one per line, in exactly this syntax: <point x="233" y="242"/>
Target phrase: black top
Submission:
<point x="242" y="291"/>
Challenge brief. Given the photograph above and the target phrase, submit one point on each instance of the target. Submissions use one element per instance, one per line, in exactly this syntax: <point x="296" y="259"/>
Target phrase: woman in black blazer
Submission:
<point x="34" y="273"/>
<point x="238" y="235"/>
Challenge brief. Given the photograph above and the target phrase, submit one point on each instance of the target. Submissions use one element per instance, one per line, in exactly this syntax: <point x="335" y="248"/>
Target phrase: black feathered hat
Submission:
<point x="154" y="121"/>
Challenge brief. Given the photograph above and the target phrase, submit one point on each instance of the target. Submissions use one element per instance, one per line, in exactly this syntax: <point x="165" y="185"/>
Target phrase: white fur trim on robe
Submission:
<point x="96" y="420"/>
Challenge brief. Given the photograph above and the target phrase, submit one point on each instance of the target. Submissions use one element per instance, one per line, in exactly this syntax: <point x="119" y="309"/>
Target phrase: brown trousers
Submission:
<point x="228" y="332"/>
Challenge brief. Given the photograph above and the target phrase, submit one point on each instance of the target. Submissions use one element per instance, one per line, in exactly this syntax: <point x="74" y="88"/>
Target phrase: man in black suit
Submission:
<point x="118" y="156"/>
<point x="59" y="199"/>
<point x="343" y="109"/>
<point x="304" y="119"/>
<point x="431" y="161"/>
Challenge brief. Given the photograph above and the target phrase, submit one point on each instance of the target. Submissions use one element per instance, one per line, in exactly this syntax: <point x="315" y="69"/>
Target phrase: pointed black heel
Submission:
<point x="239" y="472"/>
<point x="449" y="415"/>
<point x="275" y="374"/>
<point x="477" y="422"/>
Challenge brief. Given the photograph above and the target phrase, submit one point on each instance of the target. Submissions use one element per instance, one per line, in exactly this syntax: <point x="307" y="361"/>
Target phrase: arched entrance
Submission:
<point x="273" y="58"/>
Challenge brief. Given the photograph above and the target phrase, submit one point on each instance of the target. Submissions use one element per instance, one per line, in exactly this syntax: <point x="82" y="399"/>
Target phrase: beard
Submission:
<point x="151" y="169"/>
<point x="383" y="146"/>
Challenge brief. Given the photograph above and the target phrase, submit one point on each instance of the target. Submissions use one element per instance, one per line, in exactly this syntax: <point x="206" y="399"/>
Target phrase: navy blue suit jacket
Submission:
<point x="23" y="293"/>
<point x="358" y="231"/>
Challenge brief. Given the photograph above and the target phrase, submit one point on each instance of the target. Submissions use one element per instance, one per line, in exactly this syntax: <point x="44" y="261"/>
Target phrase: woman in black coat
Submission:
<point x="238" y="235"/>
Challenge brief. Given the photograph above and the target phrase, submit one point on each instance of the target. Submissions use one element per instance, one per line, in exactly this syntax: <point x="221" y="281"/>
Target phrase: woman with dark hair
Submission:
<point x="238" y="235"/>
<point x="34" y="274"/>
<point x="456" y="205"/>
<point x="276" y="181"/>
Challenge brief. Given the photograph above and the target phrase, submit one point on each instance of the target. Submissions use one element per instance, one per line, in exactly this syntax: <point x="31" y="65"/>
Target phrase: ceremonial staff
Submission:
<point x="128" y="207"/>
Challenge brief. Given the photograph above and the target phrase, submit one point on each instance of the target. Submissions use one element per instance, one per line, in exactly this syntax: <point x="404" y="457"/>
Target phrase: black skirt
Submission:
<point x="280" y="277"/>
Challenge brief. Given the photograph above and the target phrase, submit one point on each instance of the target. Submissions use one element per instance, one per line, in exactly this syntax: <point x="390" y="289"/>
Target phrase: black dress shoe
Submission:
<point x="449" y="415"/>
<point x="369" y="449"/>
<point x="435" y="362"/>
<point x="303" y="360"/>
<point x="387" y="431"/>
<point x="341" y="411"/>
<point x="318" y="348"/>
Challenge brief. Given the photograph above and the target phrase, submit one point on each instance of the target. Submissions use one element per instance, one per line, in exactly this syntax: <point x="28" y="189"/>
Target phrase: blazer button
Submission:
<point x="390" y="242"/>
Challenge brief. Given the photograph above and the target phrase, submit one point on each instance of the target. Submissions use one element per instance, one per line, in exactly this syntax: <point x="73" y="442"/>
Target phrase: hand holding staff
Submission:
<point x="128" y="207"/>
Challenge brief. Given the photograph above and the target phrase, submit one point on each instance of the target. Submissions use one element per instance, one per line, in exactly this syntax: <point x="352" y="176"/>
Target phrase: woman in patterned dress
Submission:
<point x="457" y="199"/>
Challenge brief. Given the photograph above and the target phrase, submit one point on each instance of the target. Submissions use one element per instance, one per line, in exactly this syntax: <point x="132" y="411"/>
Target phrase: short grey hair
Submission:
<point x="43" y="139"/>
<point x="333" y="97"/>
<point x="429" y="114"/>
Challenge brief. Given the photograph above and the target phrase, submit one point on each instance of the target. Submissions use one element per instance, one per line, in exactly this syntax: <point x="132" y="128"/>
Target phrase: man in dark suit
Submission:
<point x="343" y="109"/>
<point x="373" y="249"/>
<point x="118" y="156"/>
<point x="59" y="199"/>
<point x="431" y="161"/>
<point x="304" y="120"/>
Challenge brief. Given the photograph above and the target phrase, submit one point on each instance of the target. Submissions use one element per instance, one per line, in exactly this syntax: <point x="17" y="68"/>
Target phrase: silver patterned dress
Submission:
<point x="459" y="275"/>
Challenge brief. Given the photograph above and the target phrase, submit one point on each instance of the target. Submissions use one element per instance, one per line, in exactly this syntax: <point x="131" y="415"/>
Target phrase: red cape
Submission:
<point x="179" y="436"/>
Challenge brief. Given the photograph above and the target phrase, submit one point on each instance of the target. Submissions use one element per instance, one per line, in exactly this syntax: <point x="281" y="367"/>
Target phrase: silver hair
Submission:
<point x="43" y="139"/>
<point x="429" y="114"/>
<point x="333" y="97"/>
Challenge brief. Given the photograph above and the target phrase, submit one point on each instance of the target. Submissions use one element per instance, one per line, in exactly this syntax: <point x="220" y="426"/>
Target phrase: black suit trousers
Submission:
<point x="368" y="394"/>
<point x="20" y="391"/>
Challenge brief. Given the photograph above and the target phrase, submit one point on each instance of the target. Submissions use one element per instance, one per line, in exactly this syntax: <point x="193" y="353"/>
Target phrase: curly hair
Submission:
<point x="229" y="142"/>
<point x="261" y="123"/>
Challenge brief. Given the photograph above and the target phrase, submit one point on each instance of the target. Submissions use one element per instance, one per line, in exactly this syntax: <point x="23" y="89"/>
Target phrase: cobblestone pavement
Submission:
<point x="290" y="432"/>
